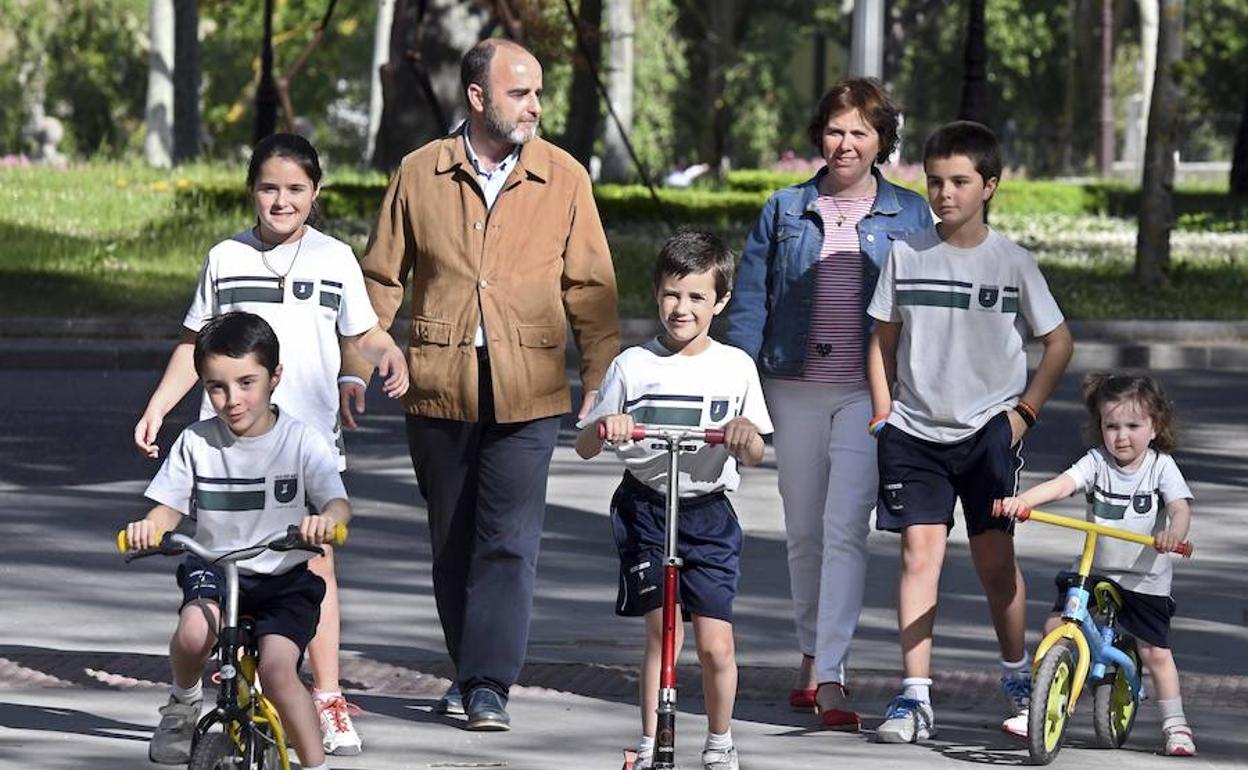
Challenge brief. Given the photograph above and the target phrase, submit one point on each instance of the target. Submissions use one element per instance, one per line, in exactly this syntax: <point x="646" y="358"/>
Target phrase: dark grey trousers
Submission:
<point x="484" y="484"/>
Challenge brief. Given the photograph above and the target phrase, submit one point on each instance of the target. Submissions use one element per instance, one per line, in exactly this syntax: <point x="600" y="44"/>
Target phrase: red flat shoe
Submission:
<point x="803" y="701"/>
<point x="841" y="720"/>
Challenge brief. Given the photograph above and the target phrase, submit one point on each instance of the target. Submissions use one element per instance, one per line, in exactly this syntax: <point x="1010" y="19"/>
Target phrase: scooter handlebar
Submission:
<point x="707" y="435"/>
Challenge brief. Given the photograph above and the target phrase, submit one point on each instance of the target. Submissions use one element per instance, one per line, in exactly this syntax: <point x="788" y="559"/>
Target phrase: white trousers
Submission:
<point x="828" y="482"/>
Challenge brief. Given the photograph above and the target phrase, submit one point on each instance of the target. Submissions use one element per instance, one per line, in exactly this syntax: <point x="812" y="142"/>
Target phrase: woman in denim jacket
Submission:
<point x="808" y="269"/>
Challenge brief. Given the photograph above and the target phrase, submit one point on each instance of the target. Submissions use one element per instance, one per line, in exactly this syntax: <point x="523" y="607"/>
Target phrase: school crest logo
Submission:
<point x="988" y="296"/>
<point x="719" y="409"/>
<point x="1142" y="503"/>
<point x="285" y="488"/>
<point x="302" y="289"/>
<point x="823" y="349"/>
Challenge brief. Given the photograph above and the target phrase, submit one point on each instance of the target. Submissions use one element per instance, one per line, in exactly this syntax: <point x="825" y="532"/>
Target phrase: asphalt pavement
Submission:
<point x="82" y="636"/>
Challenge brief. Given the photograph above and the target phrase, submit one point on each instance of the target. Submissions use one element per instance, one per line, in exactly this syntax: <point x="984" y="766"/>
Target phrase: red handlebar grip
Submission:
<point x="1023" y="514"/>
<point x="1184" y="549"/>
<point x="714" y="436"/>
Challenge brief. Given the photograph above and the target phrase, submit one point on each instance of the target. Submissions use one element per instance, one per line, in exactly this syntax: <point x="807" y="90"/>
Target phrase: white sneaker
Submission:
<point x="338" y="734"/>
<point x="720" y="759"/>
<point x="907" y="721"/>
<point x="1016" y="688"/>
<point x="1017" y="724"/>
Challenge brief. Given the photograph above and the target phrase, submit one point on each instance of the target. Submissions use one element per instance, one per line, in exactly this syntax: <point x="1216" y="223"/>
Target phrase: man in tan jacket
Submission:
<point x="499" y="235"/>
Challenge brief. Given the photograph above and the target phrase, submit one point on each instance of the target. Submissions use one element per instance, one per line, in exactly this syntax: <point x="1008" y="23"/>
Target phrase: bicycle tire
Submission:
<point x="1051" y="688"/>
<point x="210" y="751"/>
<point x="1115" y="704"/>
<point x="264" y="750"/>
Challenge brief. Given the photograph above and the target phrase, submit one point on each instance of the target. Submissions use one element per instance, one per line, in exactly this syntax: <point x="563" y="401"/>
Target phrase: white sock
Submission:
<point x="322" y="766"/>
<point x="645" y="746"/>
<point x="324" y="695"/>
<point x="1172" y="713"/>
<point x="917" y="688"/>
<point x="718" y="741"/>
<point x="1019" y="668"/>
<point x="188" y="694"/>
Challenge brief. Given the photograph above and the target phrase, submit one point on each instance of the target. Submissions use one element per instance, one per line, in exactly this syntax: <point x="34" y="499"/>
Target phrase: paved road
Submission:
<point x="82" y="637"/>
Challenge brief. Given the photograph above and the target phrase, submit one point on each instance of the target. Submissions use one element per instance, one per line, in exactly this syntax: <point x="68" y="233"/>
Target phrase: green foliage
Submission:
<point x="661" y="66"/>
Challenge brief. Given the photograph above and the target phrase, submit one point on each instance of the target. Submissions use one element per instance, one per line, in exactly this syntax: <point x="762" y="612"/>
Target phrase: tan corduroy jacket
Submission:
<point x="530" y="266"/>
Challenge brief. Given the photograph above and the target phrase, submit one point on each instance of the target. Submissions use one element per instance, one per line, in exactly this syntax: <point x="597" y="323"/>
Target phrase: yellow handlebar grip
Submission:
<point x="340" y="534"/>
<point x="122" y="545"/>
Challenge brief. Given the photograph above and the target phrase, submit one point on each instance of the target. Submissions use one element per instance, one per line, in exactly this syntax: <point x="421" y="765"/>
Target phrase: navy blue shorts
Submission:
<point x="709" y="542"/>
<point x="920" y="479"/>
<point x="1144" y="616"/>
<point x="287" y="605"/>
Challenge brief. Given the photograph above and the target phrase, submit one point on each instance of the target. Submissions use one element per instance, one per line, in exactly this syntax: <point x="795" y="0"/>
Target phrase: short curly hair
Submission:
<point x="1102" y="388"/>
<point x="867" y="95"/>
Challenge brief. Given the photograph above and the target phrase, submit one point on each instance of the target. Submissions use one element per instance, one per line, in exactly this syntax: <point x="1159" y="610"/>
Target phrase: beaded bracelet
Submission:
<point x="1027" y="412"/>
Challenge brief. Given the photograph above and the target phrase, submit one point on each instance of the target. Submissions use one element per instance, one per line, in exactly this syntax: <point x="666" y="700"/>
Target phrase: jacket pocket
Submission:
<point x="430" y="331"/>
<point x="539" y="335"/>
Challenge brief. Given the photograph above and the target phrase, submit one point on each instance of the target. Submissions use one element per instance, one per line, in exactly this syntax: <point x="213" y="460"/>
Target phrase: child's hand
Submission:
<point x="350" y="394"/>
<point x="142" y="534"/>
<point x="1009" y="507"/>
<point x="316" y="529"/>
<point x="1018" y="426"/>
<point x="1167" y="541"/>
<point x="145" y="432"/>
<point x="393" y="370"/>
<point x="739" y="436"/>
<point x="618" y="427"/>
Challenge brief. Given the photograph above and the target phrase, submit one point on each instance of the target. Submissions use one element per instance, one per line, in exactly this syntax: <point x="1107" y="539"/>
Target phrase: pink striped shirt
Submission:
<point x="835" y="353"/>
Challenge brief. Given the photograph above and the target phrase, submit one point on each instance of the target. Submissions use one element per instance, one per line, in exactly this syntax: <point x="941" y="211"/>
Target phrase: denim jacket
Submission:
<point x="769" y="315"/>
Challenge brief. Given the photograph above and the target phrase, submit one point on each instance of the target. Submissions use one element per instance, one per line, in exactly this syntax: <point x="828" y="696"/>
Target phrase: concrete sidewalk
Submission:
<point x="82" y="636"/>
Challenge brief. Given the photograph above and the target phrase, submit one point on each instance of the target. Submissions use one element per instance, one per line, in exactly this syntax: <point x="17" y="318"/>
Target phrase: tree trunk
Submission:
<point x="421" y="94"/>
<point x="266" y="92"/>
<point x="1105" y="145"/>
<point x="1239" y="162"/>
<point x="158" y="116"/>
<point x="186" y="75"/>
<point x="975" y="67"/>
<point x="381" y="55"/>
<point x="1152" y="251"/>
<point x="616" y="163"/>
<point x="1137" y="123"/>
<point x="584" y="109"/>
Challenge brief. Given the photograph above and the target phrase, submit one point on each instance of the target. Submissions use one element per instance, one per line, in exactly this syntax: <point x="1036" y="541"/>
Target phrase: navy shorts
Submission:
<point x="1144" y="616"/>
<point x="920" y="479"/>
<point x="287" y="605"/>
<point x="709" y="542"/>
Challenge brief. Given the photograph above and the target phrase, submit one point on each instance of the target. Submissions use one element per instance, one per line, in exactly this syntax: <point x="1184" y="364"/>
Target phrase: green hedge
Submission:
<point x="1199" y="210"/>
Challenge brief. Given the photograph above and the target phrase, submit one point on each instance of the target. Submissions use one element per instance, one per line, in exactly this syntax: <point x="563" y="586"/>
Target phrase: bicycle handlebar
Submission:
<point x="174" y="544"/>
<point x="707" y="435"/>
<point x="1184" y="549"/>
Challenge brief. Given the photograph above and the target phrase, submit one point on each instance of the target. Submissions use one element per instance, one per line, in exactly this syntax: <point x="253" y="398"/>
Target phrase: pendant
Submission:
<point x="840" y="220"/>
<point x="281" y="283"/>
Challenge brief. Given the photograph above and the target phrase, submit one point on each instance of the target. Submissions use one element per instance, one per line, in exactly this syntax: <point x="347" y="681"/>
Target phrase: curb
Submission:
<point x="33" y="668"/>
<point x="144" y="343"/>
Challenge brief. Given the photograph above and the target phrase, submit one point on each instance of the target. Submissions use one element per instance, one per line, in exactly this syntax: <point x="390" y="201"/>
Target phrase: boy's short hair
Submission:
<point x="694" y="251"/>
<point x="867" y="95"/>
<point x="966" y="137"/>
<point x="236" y="335"/>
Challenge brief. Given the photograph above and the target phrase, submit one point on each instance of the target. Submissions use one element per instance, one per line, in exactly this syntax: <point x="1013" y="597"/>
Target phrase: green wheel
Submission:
<point x="1051" y="689"/>
<point x="1114" y="703"/>
<point x="213" y="751"/>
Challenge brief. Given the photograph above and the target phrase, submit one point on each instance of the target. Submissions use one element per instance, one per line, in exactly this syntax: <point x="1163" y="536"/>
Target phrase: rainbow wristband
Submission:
<point x="877" y="424"/>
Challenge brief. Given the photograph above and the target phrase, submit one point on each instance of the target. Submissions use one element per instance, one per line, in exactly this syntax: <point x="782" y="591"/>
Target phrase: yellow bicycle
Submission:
<point x="243" y="731"/>
<point x="1086" y="648"/>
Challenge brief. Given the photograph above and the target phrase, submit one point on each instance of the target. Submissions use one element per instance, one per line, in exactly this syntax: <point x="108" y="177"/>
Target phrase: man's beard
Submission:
<point x="504" y="131"/>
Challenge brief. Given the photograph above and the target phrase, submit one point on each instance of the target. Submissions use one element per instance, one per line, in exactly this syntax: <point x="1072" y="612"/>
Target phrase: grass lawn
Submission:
<point x="107" y="239"/>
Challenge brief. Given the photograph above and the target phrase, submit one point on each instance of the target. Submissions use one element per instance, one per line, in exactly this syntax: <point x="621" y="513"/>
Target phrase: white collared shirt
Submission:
<point x="491" y="185"/>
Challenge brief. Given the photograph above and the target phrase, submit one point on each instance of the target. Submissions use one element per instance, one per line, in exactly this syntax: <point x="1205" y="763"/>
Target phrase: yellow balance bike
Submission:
<point x="1086" y="649"/>
<point x="243" y="731"/>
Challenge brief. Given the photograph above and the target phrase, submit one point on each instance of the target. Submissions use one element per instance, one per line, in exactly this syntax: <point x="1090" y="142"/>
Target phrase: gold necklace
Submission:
<point x="264" y="257"/>
<point x="840" y="212"/>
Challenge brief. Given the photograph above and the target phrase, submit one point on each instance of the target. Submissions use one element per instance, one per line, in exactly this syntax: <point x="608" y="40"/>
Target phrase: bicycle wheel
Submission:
<point x="1115" y="703"/>
<point x="213" y="751"/>
<point x="1050" y="701"/>
<point x="263" y="751"/>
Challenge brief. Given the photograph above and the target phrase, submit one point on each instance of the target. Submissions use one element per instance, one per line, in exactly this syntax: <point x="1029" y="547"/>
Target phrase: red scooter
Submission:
<point x="674" y="438"/>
